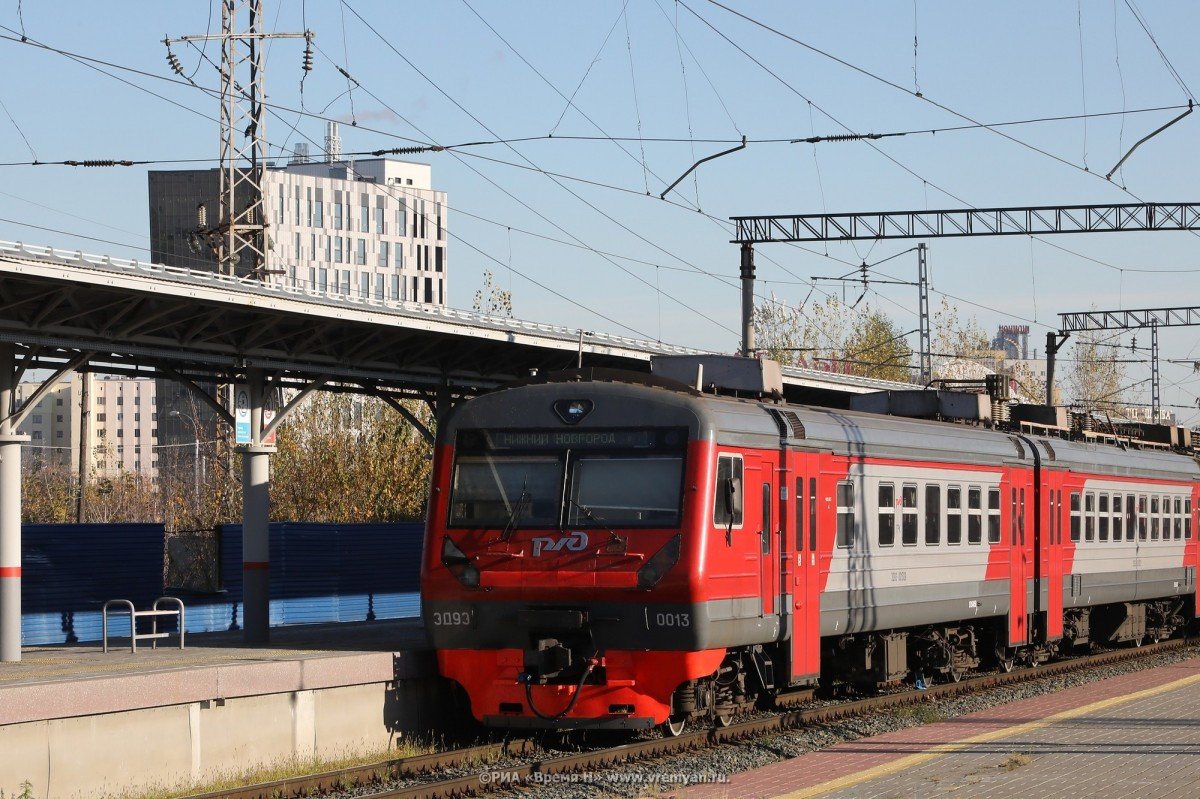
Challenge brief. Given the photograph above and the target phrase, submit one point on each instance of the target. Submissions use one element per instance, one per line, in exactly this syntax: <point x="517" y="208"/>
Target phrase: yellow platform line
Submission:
<point x="938" y="750"/>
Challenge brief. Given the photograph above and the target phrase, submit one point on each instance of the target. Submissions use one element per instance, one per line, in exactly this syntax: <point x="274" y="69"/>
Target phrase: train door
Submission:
<point x="1019" y="572"/>
<point x="756" y="548"/>
<point x="770" y="535"/>
<point x="802" y="590"/>
<point x="1049" y="555"/>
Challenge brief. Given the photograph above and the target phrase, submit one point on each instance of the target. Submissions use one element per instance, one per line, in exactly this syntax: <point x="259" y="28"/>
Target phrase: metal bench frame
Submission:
<point x="153" y="614"/>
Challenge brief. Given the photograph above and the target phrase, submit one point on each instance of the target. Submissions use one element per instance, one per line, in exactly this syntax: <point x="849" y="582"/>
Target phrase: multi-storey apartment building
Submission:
<point x="122" y="427"/>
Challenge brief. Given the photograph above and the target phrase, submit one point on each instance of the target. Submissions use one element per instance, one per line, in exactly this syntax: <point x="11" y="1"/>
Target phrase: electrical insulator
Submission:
<point x="308" y="58"/>
<point x="173" y="60"/>
<point x="201" y="216"/>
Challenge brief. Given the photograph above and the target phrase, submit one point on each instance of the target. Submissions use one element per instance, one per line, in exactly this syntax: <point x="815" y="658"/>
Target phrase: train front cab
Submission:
<point x="576" y="615"/>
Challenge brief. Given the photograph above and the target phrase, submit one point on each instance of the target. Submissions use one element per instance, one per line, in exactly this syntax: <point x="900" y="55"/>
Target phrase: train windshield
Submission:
<point x="581" y="478"/>
<point x="497" y="490"/>
<point x="624" y="491"/>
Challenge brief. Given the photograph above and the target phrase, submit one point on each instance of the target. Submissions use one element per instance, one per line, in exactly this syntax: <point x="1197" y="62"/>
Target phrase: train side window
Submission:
<point x="1053" y="516"/>
<point x="1012" y="516"/>
<point x="1089" y="516"/>
<point x="1187" y="517"/>
<point x="812" y="514"/>
<point x="1130" y="517"/>
<point x="727" y="505"/>
<point x="954" y="515"/>
<point x="1021" y="518"/>
<point x="1118" y="516"/>
<point x="800" y="511"/>
<point x="1058" y="520"/>
<point x="993" y="515"/>
<point x="974" y="514"/>
<point x="1102" y="520"/>
<point x="1141" y="517"/>
<point x="845" y="514"/>
<point x="1178" y="518"/>
<point x="767" y="532"/>
<point x="1154" y="511"/>
<point x="933" y="515"/>
<point x="1075" y="523"/>
<point x="887" y="514"/>
<point x="908" y="533"/>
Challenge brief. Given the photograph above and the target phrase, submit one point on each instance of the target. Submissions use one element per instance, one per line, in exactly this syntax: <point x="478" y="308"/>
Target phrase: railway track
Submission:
<point x="499" y="755"/>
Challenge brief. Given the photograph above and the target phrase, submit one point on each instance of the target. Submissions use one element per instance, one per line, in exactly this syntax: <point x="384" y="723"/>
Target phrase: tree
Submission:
<point x="1095" y="379"/>
<point x="833" y="336"/>
<point x="960" y="347"/>
<point x="876" y="348"/>
<point x="491" y="299"/>
<point x="343" y="458"/>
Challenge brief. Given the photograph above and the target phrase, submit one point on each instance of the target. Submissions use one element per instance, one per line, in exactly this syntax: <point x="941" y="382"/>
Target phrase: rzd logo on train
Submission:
<point x="575" y="542"/>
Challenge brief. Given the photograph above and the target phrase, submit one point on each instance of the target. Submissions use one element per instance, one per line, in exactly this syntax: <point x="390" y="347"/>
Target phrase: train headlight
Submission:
<point x="659" y="563"/>
<point x="468" y="576"/>
<point x="459" y="564"/>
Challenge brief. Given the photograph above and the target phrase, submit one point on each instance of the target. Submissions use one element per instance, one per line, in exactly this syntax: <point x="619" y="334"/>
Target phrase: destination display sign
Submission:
<point x="592" y="439"/>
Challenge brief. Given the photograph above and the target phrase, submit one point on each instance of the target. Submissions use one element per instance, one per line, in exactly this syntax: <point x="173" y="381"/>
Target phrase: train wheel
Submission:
<point x="673" y="727"/>
<point x="724" y="719"/>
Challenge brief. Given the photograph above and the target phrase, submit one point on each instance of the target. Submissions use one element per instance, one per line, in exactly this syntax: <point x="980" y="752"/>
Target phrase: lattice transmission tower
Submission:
<point x="239" y="237"/>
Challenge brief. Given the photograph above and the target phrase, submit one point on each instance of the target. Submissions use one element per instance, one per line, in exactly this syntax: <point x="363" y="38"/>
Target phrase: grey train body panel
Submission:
<point x="887" y="608"/>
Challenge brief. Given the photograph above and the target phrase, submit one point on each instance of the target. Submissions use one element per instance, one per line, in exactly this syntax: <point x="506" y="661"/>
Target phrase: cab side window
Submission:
<point x="726" y="507"/>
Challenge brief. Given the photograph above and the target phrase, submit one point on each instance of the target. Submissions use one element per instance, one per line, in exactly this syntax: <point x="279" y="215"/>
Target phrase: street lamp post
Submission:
<point x="195" y="453"/>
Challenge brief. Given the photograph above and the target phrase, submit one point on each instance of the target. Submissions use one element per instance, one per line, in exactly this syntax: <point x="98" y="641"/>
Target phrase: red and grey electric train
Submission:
<point x="624" y="553"/>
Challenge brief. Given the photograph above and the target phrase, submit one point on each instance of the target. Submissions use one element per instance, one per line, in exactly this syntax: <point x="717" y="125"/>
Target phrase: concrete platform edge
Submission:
<point x="42" y="701"/>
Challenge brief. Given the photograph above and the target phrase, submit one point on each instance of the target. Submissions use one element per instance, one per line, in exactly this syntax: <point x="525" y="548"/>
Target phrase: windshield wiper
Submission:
<point x="518" y="508"/>
<point x="615" y="542"/>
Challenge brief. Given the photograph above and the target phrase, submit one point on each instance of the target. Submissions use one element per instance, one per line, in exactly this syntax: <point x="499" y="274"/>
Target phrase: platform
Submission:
<point x="1135" y="735"/>
<point x="218" y="705"/>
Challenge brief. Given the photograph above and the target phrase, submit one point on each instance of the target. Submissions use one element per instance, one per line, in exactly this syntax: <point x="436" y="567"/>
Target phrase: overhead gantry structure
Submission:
<point x="953" y="223"/>
<point x="1136" y="319"/>
<point x="65" y="310"/>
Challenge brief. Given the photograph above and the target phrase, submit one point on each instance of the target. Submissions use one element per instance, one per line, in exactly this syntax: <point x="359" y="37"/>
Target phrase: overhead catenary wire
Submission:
<point x="869" y="143"/>
<point x="637" y="110"/>
<point x="894" y="85"/>
<point x="560" y="295"/>
<point x="20" y="132"/>
<point x="535" y="167"/>
<point x="669" y="267"/>
<point x="90" y="61"/>
<point x="1137" y="14"/>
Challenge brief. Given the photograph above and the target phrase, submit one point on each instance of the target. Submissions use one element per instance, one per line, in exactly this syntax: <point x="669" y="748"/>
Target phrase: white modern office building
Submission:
<point x="373" y="228"/>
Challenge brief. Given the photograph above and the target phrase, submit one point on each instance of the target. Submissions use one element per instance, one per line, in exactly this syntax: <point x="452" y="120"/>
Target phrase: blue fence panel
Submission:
<point x="326" y="573"/>
<point x="319" y="573"/>
<point x="70" y="570"/>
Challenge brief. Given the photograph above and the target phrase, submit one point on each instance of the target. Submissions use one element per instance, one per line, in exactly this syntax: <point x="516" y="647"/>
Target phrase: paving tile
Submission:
<point x="1135" y="735"/>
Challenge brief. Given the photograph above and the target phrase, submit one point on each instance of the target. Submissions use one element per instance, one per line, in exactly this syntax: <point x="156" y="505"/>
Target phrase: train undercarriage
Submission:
<point x="752" y="677"/>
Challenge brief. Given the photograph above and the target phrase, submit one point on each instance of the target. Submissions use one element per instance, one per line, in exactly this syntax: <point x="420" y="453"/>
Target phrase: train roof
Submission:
<point x="758" y="423"/>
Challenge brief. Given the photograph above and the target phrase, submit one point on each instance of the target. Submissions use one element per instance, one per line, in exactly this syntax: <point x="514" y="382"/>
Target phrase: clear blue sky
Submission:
<point x="991" y="62"/>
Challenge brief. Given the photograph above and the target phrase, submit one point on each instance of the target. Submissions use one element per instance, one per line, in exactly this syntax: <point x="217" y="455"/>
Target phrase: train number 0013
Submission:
<point x="673" y="619"/>
<point x="452" y="618"/>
